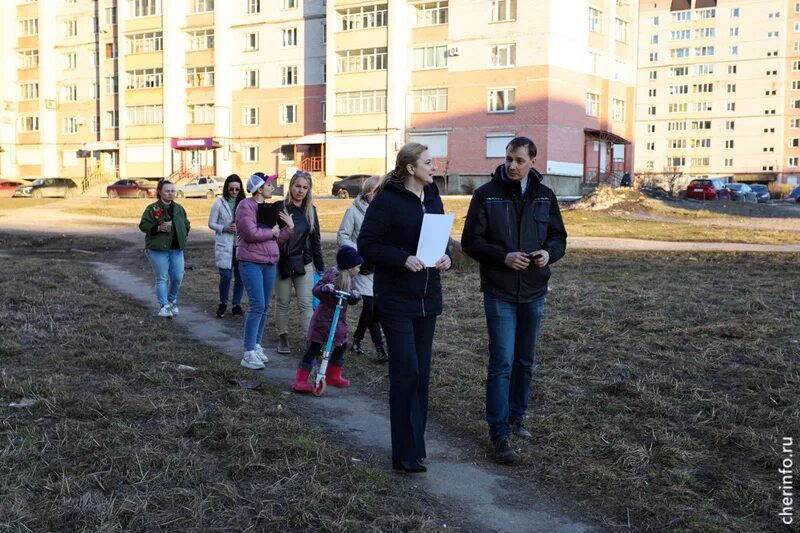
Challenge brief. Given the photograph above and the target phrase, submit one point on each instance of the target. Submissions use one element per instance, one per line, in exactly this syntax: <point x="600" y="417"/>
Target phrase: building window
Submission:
<point x="620" y="70"/>
<point x="111" y="50"/>
<point x="502" y="10"/>
<point x="774" y="15"/>
<point x="773" y="34"/>
<point x="730" y="125"/>
<point x="201" y="114"/>
<point x="654" y="21"/>
<point x="28" y="27"/>
<point x="110" y="16"/>
<point x="593" y="104"/>
<point x="502" y="100"/>
<point x="94" y="91"/>
<point x="29" y="59"/>
<point x="703" y="69"/>
<point x="360" y="102"/>
<point x="200" y="77"/>
<point x="618" y="110"/>
<point x="250" y="154"/>
<point x="595" y="62"/>
<point x="651" y="146"/>
<point x="28" y="91"/>
<point x="112" y="119"/>
<point x="702" y="51"/>
<point x="678" y="107"/>
<point x="731" y="87"/>
<point x="202" y="6"/>
<point x="70" y="28"/>
<point x="251" y="42"/>
<point x="69" y="125"/>
<point x="360" y="18"/>
<point x="651" y="110"/>
<point x="676" y="161"/>
<point x="143" y="8"/>
<point x="734" y="32"/>
<point x="680" y="35"/>
<point x="289" y="37"/>
<point x="701" y="124"/>
<point x="729" y="143"/>
<point x="252" y="7"/>
<point x="27" y="124"/>
<point x="654" y="39"/>
<point x="288" y="4"/>
<point x="621" y="30"/>
<point x="201" y="40"/>
<point x="704" y="14"/>
<point x="502" y="55"/>
<point x="731" y="69"/>
<point x="250" y="116"/>
<point x="701" y="107"/>
<point x="142" y="115"/>
<point x="430" y="57"/>
<point x="701" y="161"/>
<point x="69" y="60"/>
<point x="678" y="89"/>
<point x="289" y="75"/>
<point x="674" y="144"/>
<point x="429" y="100"/>
<point x="734" y="12"/>
<point x="678" y="53"/>
<point x="69" y="93"/>
<point x="288" y="113"/>
<point x="652" y="93"/>
<point x="677" y="126"/>
<point x="250" y="79"/>
<point x="595" y="20"/>
<point x="95" y="124"/>
<point x="681" y="16"/>
<point x="733" y="50"/>
<point x="653" y="57"/>
<point x="361" y="60"/>
<point x="702" y="88"/>
<point x="142" y="43"/>
<point x="432" y="13"/>
<point x="793" y="161"/>
<point x="704" y="33"/>
<point x="144" y="79"/>
<point x="700" y="143"/>
<point x="112" y="85"/>
<point x="728" y="161"/>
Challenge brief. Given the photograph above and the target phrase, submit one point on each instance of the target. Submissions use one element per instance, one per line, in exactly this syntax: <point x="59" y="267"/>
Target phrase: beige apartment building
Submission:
<point x="718" y="89"/>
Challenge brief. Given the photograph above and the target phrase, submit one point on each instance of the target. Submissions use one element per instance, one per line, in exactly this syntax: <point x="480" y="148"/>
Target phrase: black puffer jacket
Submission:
<point x="501" y="220"/>
<point x="303" y="241"/>
<point x="389" y="235"/>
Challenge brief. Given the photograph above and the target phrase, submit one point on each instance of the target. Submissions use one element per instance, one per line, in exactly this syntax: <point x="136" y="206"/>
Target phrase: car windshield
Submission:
<point x="40" y="181"/>
<point x="735" y="186"/>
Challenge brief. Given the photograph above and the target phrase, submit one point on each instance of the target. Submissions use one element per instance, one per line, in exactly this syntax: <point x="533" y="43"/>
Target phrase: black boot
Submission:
<point x="237" y="310"/>
<point x="357" y="349"/>
<point x="381" y="355"/>
<point x="221" y="310"/>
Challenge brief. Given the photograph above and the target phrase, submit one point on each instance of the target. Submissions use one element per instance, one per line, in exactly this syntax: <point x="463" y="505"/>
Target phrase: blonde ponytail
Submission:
<point x="343" y="280"/>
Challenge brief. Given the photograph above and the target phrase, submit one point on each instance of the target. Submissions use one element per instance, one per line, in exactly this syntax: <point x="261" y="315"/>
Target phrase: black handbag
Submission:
<point x="291" y="266"/>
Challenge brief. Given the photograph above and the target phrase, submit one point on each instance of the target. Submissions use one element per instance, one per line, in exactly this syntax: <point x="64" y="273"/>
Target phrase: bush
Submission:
<point x="780" y="190"/>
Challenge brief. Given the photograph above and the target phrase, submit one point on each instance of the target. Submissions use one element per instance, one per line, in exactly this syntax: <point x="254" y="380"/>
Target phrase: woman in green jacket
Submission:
<point x="165" y="227"/>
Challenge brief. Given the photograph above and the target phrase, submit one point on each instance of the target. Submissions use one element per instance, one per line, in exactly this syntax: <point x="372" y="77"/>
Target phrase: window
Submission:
<point x="621" y="30"/>
<point x="432" y="13"/>
<point x="202" y="6"/>
<point x="678" y="53"/>
<point x="653" y="75"/>
<point x="289" y="37"/>
<point x="733" y="50"/>
<point x="502" y="55"/>
<point x="69" y="93"/>
<point x="112" y="85"/>
<point x="361" y="60"/>
<point x="95" y="124"/>
<point x="704" y="33"/>
<point x="773" y="34"/>
<point x="359" y="102"/>
<point x="142" y="43"/>
<point x="703" y="69"/>
<point x="654" y="39"/>
<point x="731" y="69"/>
<point x="681" y="16"/>
<point x="502" y="10"/>
<point x="676" y="161"/>
<point x="201" y="114"/>
<point x="774" y="14"/>
<point x="251" y="42"/>
<point x="29" y="59"/>
<point x="768" y="149"/>
<point x="676" y="126"/>
<point x="502" y="100"/>
<point x="700" y="161"/>
<point x="728" y="161"/>
<point x="705" y="14"/>
<point x="793" y="161"/>
<point x="111" y="50"/>
<point x="28" y="91"/>
<point x="701" y="107"/>
<point x="651" y="93"/>
<point x="250" y="154"/>
<point x="651" y="146"/>
<point x="27" y="27"/>
<point x="767" y="167"/>
<point x="618" y="110"/>
<point x="796" y="27"/>
<point x="143" y="8"/>
<point x="678" y="71"/>
<point x="593" y="104"/>
<point x="795" y="65"/>
<point x="703" y="88"/>
<point x="144" y="78"/>
<point x="653" y="56"/>
<point x="796" y="85"/>
<point x="650" y="164"/>
<point x="794" y="123"/>
<point x="731" y="87"/>
<point x="734" y="12"/>
<point x="700" y="143"/>
<point x="252" y="7"/>
<point x="70" y="28"/>
<point x="794" y="104"/>
<point x="26" y="124"/>
<point x="110" y="15"/>
<point x="324" y="112"/>
<point x="701" y="124"/>
<point x="360" y="18"/>
<point x="69" y="60"/>
<point x="620" y="70"/>
<point x="69" y="125"/>
<point x="769" y="130"/>
<point x="429" y="100"/>
<point x="289" y="75"/>
<point x="651" y="128"/>
<point x="678" y="108"/>
<point x="140" y="115"/>
<point x="289" y="4"/>
<point x="676" y="144"/>
<point x="678" y="89"/>
<point x="250" y="78"/>
<point x="201" y="40"/>
<point x="654" y="21"/>
<point x="430" y="57"/>
<point x="595" y="20"/>
<point x="680" y="35"/>
<point x="595" y="62"/>
<point x="250" y="116"/>
<point x="288" y="114"/>
<point x="729" y="143"/>
<point x="200" y="77"/>
<point x="704" y="51"/>
<point x="793" y="143"/>
<point x="112" y="119"/>
<point x="734" y="32"/>
<point x="730" y="125"/>
<point x="94" y="91"/>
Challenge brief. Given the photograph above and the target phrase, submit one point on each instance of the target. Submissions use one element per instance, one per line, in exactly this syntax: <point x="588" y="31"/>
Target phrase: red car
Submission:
<point x="707" y="189"/>
<point x="131" y="189"/>
<point x="8" y="187"/>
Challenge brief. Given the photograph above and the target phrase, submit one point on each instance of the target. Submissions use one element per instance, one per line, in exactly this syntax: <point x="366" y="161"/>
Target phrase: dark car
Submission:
<point x="741" y="192"/>
<point x="131" y="189"/>
<point x="794" y="196"/>
<point x="47" y="188"/>
<point x="349" y="187"/>
<point x="762" y="193"/>
<point x="707" y="189"/>
<point x="7" y="188"/>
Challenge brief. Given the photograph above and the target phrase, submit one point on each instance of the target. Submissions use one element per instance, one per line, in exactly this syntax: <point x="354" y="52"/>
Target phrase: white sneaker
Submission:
<point x="251" y="360"/>
<point x="260" y="351"/>
<point x="174" y="308"/>
<point x="165" y="311"/>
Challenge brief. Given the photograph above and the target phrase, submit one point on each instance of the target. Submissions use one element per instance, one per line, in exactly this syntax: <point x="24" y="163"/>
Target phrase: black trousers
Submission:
<point x="368" y="320"/>
<point x="410" y="343"/>
<point x="315" y="349"/>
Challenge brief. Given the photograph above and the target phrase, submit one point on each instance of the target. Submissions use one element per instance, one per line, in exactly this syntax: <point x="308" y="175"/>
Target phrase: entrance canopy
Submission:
<point x="194" y="143"/>
<point x="314" y="138"/>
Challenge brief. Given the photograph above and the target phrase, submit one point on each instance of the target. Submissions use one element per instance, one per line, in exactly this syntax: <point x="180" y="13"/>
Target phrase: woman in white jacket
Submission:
<point x="347" y="236"/>
<point x="222" y="221"/>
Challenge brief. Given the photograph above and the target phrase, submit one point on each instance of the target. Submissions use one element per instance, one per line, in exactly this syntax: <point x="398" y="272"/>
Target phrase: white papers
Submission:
<point x="434" y="237"/>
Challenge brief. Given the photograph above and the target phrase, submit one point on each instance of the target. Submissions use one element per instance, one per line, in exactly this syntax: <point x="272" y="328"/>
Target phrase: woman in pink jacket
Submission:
<point x="257" y="238"/>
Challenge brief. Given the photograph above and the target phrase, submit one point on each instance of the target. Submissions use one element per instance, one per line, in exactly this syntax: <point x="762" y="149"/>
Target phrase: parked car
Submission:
<point x="131" y="189"/>
<point x="202" y="186"/>
<point x="349" y="187"/>
<point x="707" y="189"/>
<point x="7" y="188"/>
<point x="762" y="193"/>
<point x="741" y="192"/>
<point x="47" y="188"/>
<point x="794" y="196"/>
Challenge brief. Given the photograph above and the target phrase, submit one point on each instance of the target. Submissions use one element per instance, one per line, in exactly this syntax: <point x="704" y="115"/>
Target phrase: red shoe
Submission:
<point x="301" y="381"/>
<point x="334" y="377"/>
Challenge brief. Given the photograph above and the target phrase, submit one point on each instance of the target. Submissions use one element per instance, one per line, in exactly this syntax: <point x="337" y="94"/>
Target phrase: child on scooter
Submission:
<point x="335" y="278"/>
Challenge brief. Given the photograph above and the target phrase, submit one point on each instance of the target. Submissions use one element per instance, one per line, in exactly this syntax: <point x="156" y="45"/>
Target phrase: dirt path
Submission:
<point x="491" y="499"/>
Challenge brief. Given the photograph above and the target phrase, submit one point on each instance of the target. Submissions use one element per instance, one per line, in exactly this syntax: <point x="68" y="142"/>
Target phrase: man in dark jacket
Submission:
<point x="515" y="231"/>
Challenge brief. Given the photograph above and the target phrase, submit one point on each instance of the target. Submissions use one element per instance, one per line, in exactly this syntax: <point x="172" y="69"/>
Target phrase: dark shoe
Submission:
<point x="503" y="452"/>
<point x="409" y="467"/>
<point x="237" y="310"/>
<point x="356" y="348"/>
<point x="221" y="310"/>
<point x="518" y="429"/>
<point x="380" y="354"/>
<point x="283" y="343"/>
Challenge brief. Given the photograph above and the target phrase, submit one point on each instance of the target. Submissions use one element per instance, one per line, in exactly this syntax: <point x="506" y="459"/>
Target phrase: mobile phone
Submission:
<point x="534" y="257"/>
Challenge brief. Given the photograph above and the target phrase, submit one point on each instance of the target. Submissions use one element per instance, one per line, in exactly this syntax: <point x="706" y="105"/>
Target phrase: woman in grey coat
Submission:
<point x="347" y="236"/>
<point x="221" y="220"/>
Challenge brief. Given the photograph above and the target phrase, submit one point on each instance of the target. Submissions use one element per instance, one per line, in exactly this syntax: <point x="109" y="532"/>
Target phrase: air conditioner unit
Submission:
<point x="235" y="147"/>
<point x="50" y="104"/>
<point x="454" y="51"/>
<point x="8" y="106"/>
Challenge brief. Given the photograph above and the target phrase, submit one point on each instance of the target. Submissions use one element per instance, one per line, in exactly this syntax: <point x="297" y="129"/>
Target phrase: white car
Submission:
<point x="201" y="187"/>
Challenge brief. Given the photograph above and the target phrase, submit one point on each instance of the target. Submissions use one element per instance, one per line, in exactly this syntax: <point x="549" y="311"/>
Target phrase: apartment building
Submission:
<point x="718" y="89"/>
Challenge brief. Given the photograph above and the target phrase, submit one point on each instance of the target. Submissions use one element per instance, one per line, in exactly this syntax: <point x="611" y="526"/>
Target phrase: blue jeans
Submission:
<point x="168" y="267"/>
<point x="258" y="280"/>
<point x="225" y="275"/>
<point x="513" y="334"/>
<point x="410" y="343"/>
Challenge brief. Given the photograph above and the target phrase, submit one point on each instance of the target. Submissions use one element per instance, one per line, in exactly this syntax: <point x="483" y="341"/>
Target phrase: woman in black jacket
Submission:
<point x="408" y="296"/>
<point x="301" y="256"/>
